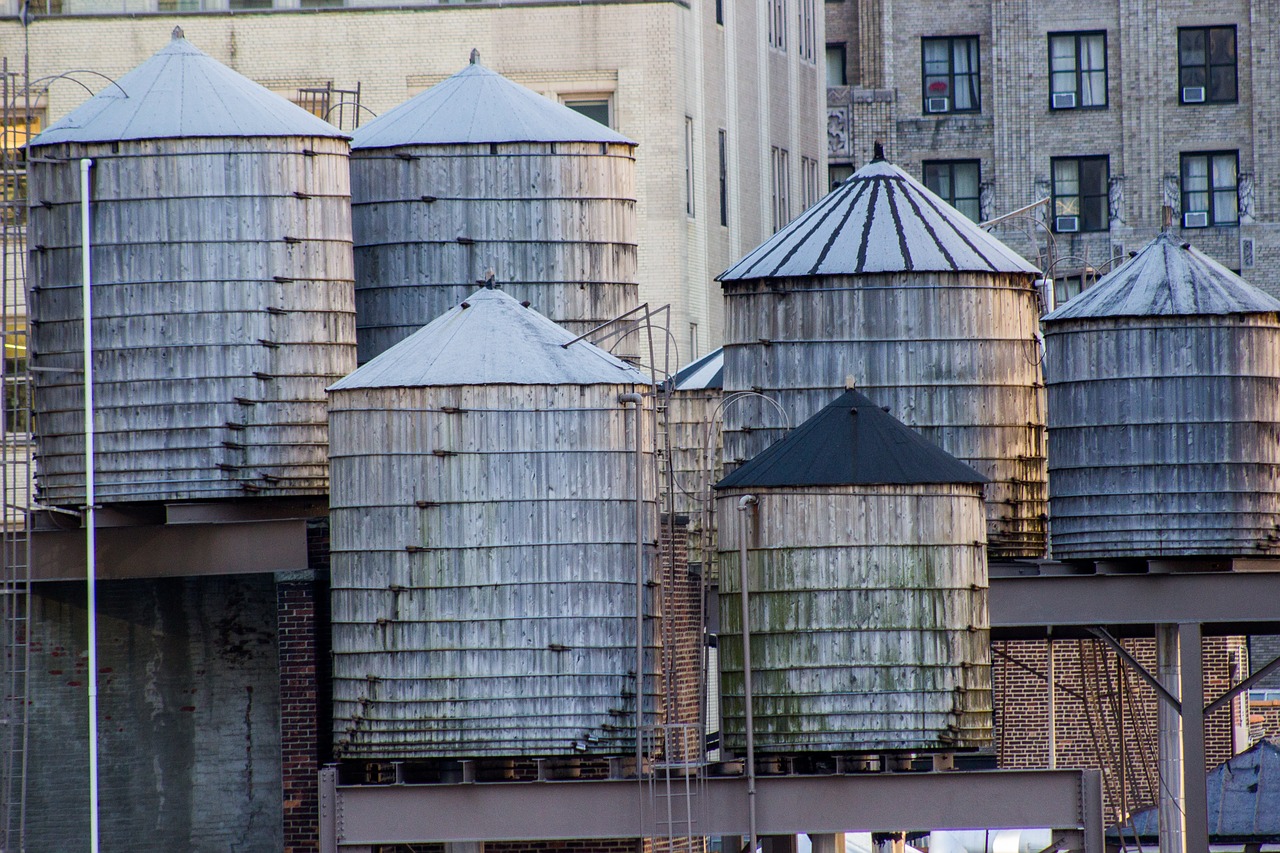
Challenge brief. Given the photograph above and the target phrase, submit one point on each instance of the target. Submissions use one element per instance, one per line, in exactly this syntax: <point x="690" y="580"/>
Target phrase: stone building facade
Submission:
<point x="1110" y="110"/>
<point x="724" y="99"/>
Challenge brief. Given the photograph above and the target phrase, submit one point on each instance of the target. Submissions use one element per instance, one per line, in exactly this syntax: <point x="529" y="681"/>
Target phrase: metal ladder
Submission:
<point x="15" y="466"/>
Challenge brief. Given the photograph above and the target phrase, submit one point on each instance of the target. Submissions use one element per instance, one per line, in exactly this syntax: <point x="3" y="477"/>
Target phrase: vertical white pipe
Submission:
<point x="637" y="401"/>
<point x="1171" y="801"/>
<point x="91" y="568"/>
<point x="1053" y="711"/>
<point x="744" y="506"/>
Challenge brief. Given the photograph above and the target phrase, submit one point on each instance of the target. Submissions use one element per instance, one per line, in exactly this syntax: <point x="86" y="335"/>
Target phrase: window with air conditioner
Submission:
<point x="1080" y="193"/>
<point x="957" y="182"/>
<point x="1077" y="70"/>
<point x="1207" y="65"/>
<point x="950" y="74"/>
<point x="1210" y="189"/>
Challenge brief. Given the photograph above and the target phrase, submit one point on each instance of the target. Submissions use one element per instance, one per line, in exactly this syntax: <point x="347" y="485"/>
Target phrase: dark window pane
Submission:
<point x="1192" y="77"/>
<point x="1191" y="47"/>
<point x="1093" y="176"/>
<point x="1094" y="213"/>
<point x="1222" y="83"/>
<point x="1222" y="45"/>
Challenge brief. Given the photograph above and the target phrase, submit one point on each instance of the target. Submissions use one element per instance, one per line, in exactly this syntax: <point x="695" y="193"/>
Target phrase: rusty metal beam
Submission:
<point x="173" y="550"/>
<point x="1223" y="602"/>
<point x="367" y="815"/>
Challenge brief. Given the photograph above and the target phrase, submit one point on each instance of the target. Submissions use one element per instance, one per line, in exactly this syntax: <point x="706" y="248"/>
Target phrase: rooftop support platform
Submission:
<point x="359" y="817"/>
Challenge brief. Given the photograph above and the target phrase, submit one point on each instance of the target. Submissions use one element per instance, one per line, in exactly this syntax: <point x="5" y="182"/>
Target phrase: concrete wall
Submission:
<point x="657" y="62"/>
<point x="189" y="716"/>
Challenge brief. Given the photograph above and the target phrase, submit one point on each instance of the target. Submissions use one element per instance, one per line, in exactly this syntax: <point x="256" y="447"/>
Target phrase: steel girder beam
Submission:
<point x="361" y="816"/>
<point x="1222" y="602"/>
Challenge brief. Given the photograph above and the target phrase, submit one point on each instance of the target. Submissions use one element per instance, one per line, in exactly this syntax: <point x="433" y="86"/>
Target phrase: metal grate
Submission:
<point x="15" y="464"/>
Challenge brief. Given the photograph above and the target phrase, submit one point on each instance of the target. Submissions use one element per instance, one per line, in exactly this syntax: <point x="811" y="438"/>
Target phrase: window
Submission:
<point x="245" y="5"/>
<point x="777" y="12"/>
<point x="1077" y="70"/>
<point x="951" y="75"/>
<point x="596" y="109"/>
<point x="836" y="54"/>
<point x="1080" y="194"/>
<point x="1210" y="189"/>
<point x="724" y="179"/>
<point x="1207" y="65"/>
<point x="693" y="342"/>
<point x="1066" y="287"/>
<point x="688" y="165"/>
<point x="720" y="11"/>
<point x="838" y="173"/>
<point x="780" y="163"/>
<point x="808" y="31"/>
<point x="956" y="182"/>
<point x="808" y="182"/>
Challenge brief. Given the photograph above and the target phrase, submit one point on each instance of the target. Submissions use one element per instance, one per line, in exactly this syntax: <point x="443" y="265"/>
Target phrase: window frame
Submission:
<point x="723" y="139"/>
<point x="951" y="165"/>
<point x="690" y="190"/>
<point x="1210" y="190"/>
<point x="1077" y="36"/>
<point x="780" y="163"/>
<point x="1208" y="65"/>
<point x="1079" y="196"/>
<point x="975" y="75"/>
<point x="843" y="49"/>
<point x="577" y="101"/>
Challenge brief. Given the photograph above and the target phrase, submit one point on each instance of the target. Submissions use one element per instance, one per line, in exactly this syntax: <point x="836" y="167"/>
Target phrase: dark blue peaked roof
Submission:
<point x="706" y="372"/>
<point x="851" y="441"/>
<point x="1244" y="800"/>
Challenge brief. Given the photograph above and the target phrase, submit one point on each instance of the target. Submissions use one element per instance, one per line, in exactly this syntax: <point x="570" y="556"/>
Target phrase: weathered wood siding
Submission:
<point x="1165" y="436"/>
<point x="868" y="610"/>
<point x="952" y="355"/>
<point x="484" y="571"/>
<point x="555" y="222"/>
<point x="223" y="306"/>
<point x="693" y="423"/>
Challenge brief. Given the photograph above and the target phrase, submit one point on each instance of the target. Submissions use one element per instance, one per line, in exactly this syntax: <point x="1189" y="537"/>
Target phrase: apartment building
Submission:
<point x="1111" y="111"/>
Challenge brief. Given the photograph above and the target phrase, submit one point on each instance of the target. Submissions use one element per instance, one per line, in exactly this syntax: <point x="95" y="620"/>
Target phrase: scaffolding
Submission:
<point x="15" y="461"/>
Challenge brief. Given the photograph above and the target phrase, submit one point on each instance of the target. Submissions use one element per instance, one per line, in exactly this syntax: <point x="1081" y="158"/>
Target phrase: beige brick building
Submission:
<point x="1109" y="109"/>
<point x="724" y="98"/>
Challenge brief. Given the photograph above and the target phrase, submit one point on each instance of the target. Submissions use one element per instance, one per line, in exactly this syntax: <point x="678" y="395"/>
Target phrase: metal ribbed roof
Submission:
<point x="706" y="372"/>
<point x="478" y="105"/>
<point x="491" y="339"/>
<point x="1168" y="277"/>
<point x="183" y="92"/>
<point x="879" y="220"/>
<point x="851" y="441"/>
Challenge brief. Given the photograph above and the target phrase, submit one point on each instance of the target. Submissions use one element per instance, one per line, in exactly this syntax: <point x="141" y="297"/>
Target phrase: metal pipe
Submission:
<point x="89" y="499"/>
<point x="744" y="504"/>
<point x="637" y="401"/>
<point x="1053" y="710"/>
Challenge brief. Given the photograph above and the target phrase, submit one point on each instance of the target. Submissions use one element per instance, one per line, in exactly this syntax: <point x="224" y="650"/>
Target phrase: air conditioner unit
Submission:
<point x="1066" y="224"/>
<point x="1198" y="219"/>
<point x="1193" y="94"/>
<point x="937" y="105"/>
<point x="1064" y="100"/>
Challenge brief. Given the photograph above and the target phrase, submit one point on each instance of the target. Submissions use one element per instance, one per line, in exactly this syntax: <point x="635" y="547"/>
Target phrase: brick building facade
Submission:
<point x="1110" y="110"/>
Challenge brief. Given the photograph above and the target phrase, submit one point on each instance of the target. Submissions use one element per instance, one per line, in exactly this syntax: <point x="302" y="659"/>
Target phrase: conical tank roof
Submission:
<point x="851" y="442"/>
<point x="491" y="339"/>
<point x="182" y="92"/>
<point x="880" y="220"/>
<point x="706" y="372"/>
<point x="477" y="106"/>
<point x="1168" y="277"/>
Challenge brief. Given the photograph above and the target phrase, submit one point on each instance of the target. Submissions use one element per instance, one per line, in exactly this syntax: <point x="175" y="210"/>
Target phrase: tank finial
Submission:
<point x="178" y="33"/>
<point x="1166" y="217"/>
<point x="475" y="56"/>
<point x="490" y="279"/>
<point x="877" y="154"/>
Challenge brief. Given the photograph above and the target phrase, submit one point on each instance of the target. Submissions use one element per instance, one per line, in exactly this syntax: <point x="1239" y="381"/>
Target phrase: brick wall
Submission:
<point x="1090" y="734"/>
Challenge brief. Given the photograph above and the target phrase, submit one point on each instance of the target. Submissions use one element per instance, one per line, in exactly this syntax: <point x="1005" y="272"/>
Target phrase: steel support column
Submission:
<point x="1169" y="722"/>
<point x="1194" y="788"/>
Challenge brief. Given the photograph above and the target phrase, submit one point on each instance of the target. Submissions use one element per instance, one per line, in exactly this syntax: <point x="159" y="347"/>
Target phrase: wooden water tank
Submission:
<point x="480" y="177"/>
<point x="1164" y="412"/>
<point x="867" y="584"/>
<point x="484" y="529"/>
<point x="222" y="287"/>
<point x="885" y="287"/>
